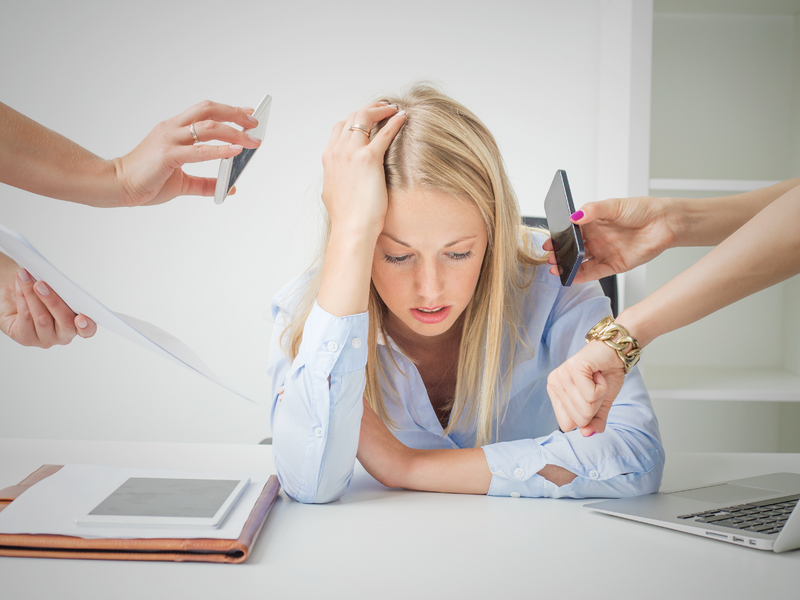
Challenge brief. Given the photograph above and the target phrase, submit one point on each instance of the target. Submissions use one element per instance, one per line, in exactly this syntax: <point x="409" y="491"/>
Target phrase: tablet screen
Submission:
<point x="157" y="497"/>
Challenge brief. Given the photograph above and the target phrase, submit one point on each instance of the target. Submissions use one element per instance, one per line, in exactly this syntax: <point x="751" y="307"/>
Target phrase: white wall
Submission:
<point x="104" y="73"/>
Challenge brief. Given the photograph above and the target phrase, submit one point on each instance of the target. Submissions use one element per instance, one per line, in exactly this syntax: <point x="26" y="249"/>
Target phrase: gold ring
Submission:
<point x="194" y="134"/>
<point x="360" y="128"/>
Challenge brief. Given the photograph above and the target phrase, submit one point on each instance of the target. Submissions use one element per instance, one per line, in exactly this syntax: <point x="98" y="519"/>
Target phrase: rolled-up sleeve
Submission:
<point x="625" y="460"/>
<point x="317" y="418"/>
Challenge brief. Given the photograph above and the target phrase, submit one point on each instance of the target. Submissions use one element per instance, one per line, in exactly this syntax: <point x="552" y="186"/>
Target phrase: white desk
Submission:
<point x="380" y="543"/>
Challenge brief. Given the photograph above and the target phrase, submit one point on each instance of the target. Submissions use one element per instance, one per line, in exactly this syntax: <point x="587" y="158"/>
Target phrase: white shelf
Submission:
<point x="715" y="383"/>
<point x="710" y="185"/>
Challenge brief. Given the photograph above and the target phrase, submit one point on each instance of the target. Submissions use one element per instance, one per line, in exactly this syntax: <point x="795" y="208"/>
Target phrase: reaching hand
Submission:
<point x="583" y="388"/>
<point x="151" y="173"/>
<point x="620" y="234"/>
<point x="32" y="314"/>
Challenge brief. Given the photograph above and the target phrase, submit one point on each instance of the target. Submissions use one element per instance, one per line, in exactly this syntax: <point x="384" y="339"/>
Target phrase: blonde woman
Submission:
<point x="429" y="303"/>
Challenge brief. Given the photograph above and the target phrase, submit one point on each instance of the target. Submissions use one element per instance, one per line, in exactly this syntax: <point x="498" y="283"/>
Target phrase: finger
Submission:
<point x="592" y="211"/>
<point x="199" y="186"/>
<point x="210" y="130"/>
<point x="385" y="136"/>
<point x="592" y="270"/>
<point x="63" y="319"/>
<point x="23" y="330"/>
<point x="598" y="423"/>
<point x="366" y="118"/>
<point x="85" y="327"/>
<point x="556" y="392"/>
<point x="182" y="155"/>
<point x="41" y="321"/>
<point x="548" y="245"/>
<point x="216" y="112"/>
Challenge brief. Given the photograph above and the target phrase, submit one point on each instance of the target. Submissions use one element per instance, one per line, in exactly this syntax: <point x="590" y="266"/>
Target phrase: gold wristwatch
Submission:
<point x="626" y="346"/>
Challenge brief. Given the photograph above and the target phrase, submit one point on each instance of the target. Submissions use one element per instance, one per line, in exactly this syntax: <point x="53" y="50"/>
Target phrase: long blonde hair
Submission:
<point x="442" y="146"/>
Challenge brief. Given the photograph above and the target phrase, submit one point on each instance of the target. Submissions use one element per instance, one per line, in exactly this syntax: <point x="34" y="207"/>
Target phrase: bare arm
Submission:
<point x="36" y="159"/>
<point x="736" y="268"/>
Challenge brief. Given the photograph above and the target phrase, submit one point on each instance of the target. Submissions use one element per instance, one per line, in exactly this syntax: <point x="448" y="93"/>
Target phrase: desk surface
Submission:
<point x="381" y="543"/>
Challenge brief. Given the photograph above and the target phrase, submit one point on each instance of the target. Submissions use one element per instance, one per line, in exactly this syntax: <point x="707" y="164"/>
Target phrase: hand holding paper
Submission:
<point x="80" y="303"/>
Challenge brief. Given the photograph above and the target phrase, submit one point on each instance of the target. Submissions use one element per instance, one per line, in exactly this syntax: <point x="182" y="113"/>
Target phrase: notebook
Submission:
<point x="756" y="512"/>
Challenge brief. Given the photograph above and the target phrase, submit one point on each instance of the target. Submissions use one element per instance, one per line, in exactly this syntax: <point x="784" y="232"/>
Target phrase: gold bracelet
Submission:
<point x="606" y="330"/>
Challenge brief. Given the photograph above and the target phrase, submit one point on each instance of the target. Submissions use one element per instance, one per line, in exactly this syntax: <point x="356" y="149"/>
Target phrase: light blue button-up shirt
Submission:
<point x="316" y="427"/>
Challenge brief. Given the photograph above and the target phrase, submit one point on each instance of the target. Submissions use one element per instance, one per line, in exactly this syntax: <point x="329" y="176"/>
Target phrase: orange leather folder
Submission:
<point x="202" y="550"/>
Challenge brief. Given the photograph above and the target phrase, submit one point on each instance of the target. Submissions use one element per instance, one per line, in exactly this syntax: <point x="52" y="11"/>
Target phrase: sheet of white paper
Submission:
<point x="50" y="506"/>
<point x="141" y="332"/>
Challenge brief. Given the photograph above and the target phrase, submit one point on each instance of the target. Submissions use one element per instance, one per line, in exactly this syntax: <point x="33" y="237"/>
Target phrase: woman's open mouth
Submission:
<point x="430" y="316"/>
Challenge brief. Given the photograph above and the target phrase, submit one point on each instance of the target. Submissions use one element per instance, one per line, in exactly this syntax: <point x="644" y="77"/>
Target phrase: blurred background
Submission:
<point x="562" y="85"/>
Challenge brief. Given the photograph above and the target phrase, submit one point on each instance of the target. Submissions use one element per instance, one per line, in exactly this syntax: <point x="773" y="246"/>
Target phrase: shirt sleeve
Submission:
<point x="625" y="460"/>
<point x="316" y="423"/>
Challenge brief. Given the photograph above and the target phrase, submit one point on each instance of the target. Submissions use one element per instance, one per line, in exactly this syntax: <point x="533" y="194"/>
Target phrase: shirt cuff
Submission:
<point x="334" y="345"/>
<point x="515" y="466"/>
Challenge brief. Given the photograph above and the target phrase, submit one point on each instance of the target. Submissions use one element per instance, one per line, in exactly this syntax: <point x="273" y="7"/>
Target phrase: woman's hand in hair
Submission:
<point x="583" y="388"/>
<point x="354" y="186"/>
<point x="620" y="234"/>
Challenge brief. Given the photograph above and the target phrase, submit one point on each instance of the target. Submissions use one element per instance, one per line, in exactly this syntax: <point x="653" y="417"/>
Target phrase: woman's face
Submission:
<point x="428" y="259"/>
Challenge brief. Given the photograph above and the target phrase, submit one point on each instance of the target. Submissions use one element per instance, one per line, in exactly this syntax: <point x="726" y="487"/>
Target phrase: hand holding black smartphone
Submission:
<point x="566" y="235"/>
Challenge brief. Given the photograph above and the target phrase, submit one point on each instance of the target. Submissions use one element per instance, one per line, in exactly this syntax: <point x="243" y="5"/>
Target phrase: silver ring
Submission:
<point x="194" y="134"/>
<point x="360" y="128"/>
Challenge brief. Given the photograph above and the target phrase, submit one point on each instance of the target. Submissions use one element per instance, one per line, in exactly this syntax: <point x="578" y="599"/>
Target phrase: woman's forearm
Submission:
<point x="709" y="221"/>
<point x="41" y="161"/>
<point x="761" y="253"/>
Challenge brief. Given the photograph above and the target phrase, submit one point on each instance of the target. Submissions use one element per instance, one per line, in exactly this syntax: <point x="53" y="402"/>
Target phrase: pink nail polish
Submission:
<point x="591" y="434"/>
<point x="577" y="215"/>
<point x="23" y="276"/>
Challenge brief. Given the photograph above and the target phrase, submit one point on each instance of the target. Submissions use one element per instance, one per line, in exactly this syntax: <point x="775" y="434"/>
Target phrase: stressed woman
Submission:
<point x="422" y="340"/>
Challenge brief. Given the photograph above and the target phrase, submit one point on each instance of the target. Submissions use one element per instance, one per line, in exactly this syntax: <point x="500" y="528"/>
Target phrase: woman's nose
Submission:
<point x="429" y="281"/>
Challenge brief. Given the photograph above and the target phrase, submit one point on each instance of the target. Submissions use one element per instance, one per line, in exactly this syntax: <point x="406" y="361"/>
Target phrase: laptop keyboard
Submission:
<point x="764" y="516"/>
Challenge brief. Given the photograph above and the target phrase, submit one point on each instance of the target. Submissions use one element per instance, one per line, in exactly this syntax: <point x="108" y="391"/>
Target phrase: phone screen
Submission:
<point x="239" y="163"/>
<point x="566" y="236"/>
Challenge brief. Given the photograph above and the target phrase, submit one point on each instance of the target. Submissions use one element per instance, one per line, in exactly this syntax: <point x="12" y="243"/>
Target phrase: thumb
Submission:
<point x="598" y="423"/>
<point x="606" y="209"/>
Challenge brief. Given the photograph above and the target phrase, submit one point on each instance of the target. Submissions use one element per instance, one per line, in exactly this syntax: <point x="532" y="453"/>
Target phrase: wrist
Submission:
<point x="616" y="337"/>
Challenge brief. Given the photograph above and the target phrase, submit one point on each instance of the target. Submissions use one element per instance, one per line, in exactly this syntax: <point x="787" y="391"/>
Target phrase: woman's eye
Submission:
<point x="394" y="260"/>
<point x="460" y="256"/>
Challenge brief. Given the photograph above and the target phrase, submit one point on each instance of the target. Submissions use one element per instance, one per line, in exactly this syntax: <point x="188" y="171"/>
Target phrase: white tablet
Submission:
<point x="167" y="502"/>
<point x="231" y="168"/>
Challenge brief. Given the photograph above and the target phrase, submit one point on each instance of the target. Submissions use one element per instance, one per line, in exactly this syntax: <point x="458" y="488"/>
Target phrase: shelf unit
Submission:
<point x="725" y="119"/>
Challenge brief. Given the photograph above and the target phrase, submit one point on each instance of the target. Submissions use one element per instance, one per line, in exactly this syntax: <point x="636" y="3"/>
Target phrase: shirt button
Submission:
<point x="515" y="494"/>
<point x="519" y="473"/>
<point x="318" y="432"/>
<point x="333" y="346"/>
<point x="594" y="474"/>
<point x="356" y="343"/>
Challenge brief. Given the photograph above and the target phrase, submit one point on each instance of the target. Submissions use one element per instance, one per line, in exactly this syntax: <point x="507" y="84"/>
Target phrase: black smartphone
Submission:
<point x="566" y="235"/>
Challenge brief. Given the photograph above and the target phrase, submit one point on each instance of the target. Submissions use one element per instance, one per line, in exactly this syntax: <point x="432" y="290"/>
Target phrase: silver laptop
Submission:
<point x="757" y="512"/>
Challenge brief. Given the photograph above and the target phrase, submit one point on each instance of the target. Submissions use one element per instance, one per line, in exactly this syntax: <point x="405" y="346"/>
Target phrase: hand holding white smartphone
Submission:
<point x="231" y="168"/>
<point x="566" y="235"/>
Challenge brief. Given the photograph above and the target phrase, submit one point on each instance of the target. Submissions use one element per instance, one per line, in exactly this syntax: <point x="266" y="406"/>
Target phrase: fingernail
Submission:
<point x="254" y="139"/>
<point x="23" y="276"/>
<point x="402" y="112"/>
<point x="384" y="102"/>
<point x="235" y="147"/>
<point x="591" y="434"/>
<point x="42" y="288"/>
<point x="83" y="323"/>
<point x="577" y="215"/>
<point x="252" y="119"/>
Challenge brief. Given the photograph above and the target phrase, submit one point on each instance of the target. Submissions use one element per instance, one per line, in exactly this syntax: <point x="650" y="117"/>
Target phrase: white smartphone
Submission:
<point x="566" y="235"/>
<point x="231" y="168"/>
